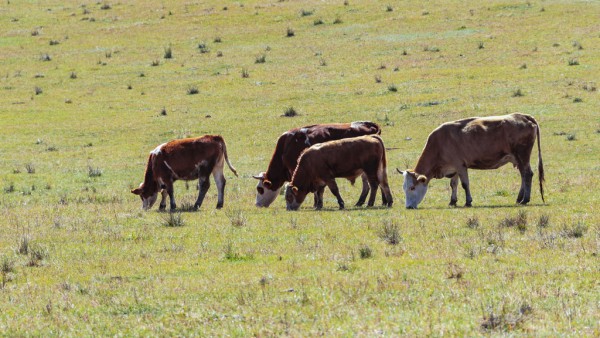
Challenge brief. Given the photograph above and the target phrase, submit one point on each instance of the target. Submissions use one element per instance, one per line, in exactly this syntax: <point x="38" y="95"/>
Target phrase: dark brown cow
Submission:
<point x="476" y="143"/>
<point x="186" y="159"/>
<point x="319" y="165"/>
<point x="292" y="143"/>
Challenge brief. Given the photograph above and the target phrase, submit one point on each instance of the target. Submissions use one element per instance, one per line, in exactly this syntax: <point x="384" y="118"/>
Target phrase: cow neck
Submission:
<point x="150" y="184"/>
<point x="277" y="173"/>
<point x="426" y="163"/>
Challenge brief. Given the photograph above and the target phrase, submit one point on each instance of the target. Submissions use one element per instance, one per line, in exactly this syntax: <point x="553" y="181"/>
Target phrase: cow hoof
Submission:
<point x="196" y="207"/>
<point x="468" y="205"/>
<point x="341" y="207"/>
<point x="219" y="206"/>
<point x="452" y="203"/>
<point x="162" y="207"/>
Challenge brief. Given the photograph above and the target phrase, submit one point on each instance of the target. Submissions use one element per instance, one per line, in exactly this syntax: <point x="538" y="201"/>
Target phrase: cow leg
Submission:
<point x="163" y="200"/>
<point x="169" y="188"/>
<point x="526" y="178"/>
<point x="364" y="192"/>
<point x="454" y="187"/>
<point x="220" y="181"/>
<point x="386" y="194"/>
<point x="319" y="198"/>
<point x="203" y="185"/>
<point x="374" y="187"/>
<point x="464" y="180"/>
<point x="336" y="192"/>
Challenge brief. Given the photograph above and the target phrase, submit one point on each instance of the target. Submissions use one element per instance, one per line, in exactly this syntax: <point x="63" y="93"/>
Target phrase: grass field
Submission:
<point x="87" y="89"/>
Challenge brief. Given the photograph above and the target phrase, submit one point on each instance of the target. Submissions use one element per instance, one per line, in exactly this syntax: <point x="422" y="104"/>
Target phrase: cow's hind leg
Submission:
<point x="464" y="180"/>
<point x="364" y="192"/>
<point x="526" y="178"/>
<point x="203" y="185"/>
<point x="374" y="184"/>
<point x="319" y="198"/>
<point x="454" y="187"/>
<point x="336" y="192"/>
<point x="220" y="181"/>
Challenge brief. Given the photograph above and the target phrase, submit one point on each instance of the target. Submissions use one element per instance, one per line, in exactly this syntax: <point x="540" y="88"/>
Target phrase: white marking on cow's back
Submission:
<point x="157" y="150"/>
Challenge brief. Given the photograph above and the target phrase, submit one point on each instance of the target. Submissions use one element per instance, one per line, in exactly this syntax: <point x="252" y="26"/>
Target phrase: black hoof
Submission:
<point x="452" y="203"/>
<point x="468" y="205"/>
<point x="162" y="207"/>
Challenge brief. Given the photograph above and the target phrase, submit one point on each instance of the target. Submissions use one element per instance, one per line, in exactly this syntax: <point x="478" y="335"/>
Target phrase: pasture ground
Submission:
<point x="87" y="90"/>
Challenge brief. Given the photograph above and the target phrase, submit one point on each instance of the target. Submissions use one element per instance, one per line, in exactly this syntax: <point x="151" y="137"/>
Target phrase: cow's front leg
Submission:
<point x="169" y="188"/>
<point x="365" y="190"/>
<point x="464" y="180"/>
<point x="319" y="198"/>
<point x="163" y="200"/>
<point x="336" y="192"/>
<point x="454" y="187"/>
<point x="203" y="185"/>
<point x="374" y="187"/>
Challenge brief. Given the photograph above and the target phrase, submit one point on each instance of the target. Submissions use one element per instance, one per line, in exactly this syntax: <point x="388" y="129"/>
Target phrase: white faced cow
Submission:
<point x="475" y="143"/>
<point x="186" y="159"/>
<point x="319" y="165"/>
<point x="289" y="147"/>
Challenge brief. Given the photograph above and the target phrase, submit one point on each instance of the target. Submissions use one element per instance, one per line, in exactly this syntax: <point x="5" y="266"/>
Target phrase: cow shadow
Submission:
<point x="501" y="206"/>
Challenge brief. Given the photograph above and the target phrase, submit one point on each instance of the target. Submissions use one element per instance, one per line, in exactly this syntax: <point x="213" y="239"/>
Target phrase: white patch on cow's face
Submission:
<point x="291" y="202"/>
<point x="264" y="196"/>
<point x="414" y="190"/>
<point x="149" y="201"/>
<point x="157" y="150"/>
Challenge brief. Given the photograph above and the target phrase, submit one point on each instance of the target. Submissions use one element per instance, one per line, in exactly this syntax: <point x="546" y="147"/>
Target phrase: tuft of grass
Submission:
<point x="318" y="22"/>
<point x="245" y="73"/>
<point x="261" y="58"/>
<point x="543" y="221"/>
<point x="518" y="93"/>
<point x="37" y="254"/>
<point x="480" y="45"/>
<point x="576" y="230"/>
<point x="168" y="53"/>
<point x="506" y="321"/>
<point x="173" y="220"/>
<point x="217" y="39"/>
<point x="454" y="271"/>
<point x="389" y="8"/>
<point x="337" y="21"/>
<point x="105" y="6"/>
<point x="203" y="48"/>
<point x="571" y="137"/>
<point x="73" y="75"/>
<point x="290" y="32"/>
<point x="45" y="57"/>
<point x="94" y="172"/>
<point x="24" y="245"/>
<point x="519" y="221"/>
<point x="54" y="42"/>
<point x="577" y="100"/>
<point x="377" y="78"/>
<point x="365" y="252"/>
<point x="237" y="218"/>
<point x="155" y="63"/>
<point x="290" y="112"/>
<point x="9" y="188"/>
<point x="192" y="90"/>
<point x="589" y="86"/>
<point x="392" y="88"/>
<point x="163" y="111"/>
<point x="433" y="49"/>
<point x="304" y="12"/>
<point x="30" y="168"/>
<point x="52" y="148"/>
<point x="390" y="233"/>
<point x="473" y="222"/>
<point x="573" y="62"/>
<point x="38" y="90"/>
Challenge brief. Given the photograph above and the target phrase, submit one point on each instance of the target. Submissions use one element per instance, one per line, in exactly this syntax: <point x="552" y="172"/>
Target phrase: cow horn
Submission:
<point x="294" y="189"/>
<point x="422" y="178"/>
<point x="267" y="184"/>
<point x="400" y="171"/>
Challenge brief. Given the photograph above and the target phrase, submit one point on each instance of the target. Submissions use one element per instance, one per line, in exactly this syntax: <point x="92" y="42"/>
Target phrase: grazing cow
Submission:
<point x="476" y="143"/>
<point x="292" y="143"/>
<point x="319" y="165"/>
<point x="186" y="159"/>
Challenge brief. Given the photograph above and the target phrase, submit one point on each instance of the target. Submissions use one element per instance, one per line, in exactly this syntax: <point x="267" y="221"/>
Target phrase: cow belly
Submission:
<point x="493" y="163"/>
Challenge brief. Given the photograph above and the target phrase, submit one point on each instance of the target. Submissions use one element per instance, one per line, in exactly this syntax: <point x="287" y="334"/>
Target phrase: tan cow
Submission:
<point x="186" y="159"/>
<point x="319" y="165"/>
<point x="475" y="143"/>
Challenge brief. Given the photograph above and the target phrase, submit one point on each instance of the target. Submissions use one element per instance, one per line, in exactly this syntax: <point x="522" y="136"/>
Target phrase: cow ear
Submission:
<point x="136" y="191"/>
<point x="259" y="176"/>
<point x="294" y="190"/>
<point x="267" y="184"/>
<point x="422" y="178"/>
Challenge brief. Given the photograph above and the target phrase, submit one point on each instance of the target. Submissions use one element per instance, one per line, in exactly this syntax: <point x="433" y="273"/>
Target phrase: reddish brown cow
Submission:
<point x="292" y="143"/>
<point x="476" y="143"/>
<point x="319" y="165"/>
<point x="186" y="159"/>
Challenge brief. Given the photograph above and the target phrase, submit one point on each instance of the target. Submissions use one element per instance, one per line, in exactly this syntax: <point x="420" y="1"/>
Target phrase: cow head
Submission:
<point x="148" y="197"/>
<point x="415" y="188"/>
<point x="294" y="197"/>
<point x="264" y="193"/>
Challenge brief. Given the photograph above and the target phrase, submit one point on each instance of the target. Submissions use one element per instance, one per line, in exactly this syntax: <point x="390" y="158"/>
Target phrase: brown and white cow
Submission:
<point x="475" y="143"/>
<point x="292" y="143"/>
<point x="185" y="159"/>
<point x="319" y="165"/>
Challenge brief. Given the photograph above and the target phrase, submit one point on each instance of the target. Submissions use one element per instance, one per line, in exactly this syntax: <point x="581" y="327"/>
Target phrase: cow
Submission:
<point x="475" y="143"/>
<point x="319" y="165"/>
<point x="184" y="159"/>
<point x="289" y="146"/>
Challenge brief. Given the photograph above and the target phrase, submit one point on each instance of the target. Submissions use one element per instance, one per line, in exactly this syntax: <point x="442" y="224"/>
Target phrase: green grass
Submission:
<point x="98" y="265"/>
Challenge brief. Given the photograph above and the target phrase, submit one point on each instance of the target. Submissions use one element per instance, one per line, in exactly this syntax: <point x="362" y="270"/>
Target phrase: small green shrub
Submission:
<point x="290" y="32"/>
<point x="192" y="90"/>
<point x="392" y="88"/>
<point x="168" y="53"/>
<point x="261" y="59"/>
<point x="390" y="233"/>
<point x="173" y="220"/>
<point x="290" y="112"/>
<point x="473" y="222"/>
<point x="365" y="252"/>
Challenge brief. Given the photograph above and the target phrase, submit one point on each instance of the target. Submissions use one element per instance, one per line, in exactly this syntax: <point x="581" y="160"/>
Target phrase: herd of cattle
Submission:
<point x="312" y="157"/>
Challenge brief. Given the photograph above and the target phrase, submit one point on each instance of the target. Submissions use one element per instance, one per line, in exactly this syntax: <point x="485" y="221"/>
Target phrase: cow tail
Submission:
<point x="383" y="167"/>
<point x="540" y="163"/>
<point x="227" y="159"/>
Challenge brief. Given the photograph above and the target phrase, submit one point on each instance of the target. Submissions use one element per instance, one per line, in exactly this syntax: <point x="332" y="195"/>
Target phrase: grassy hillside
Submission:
<point x="88" y="89"/>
